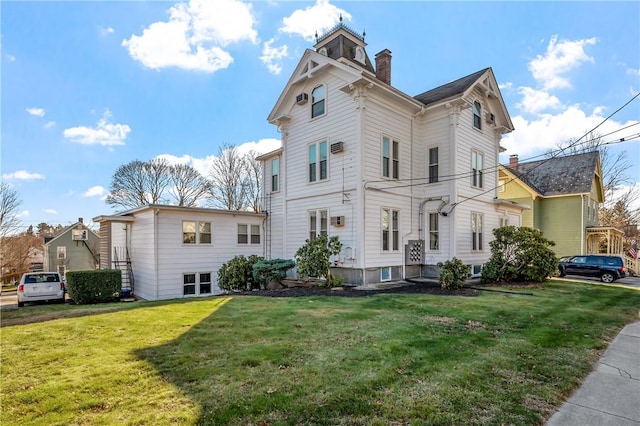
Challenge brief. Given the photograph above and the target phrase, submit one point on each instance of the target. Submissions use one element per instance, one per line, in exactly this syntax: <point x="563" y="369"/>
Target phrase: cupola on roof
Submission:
<point x="343" y="42"/>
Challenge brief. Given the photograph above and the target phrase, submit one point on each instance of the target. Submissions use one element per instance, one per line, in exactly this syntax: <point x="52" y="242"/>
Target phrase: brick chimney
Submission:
<point x="513" y="160"/>
<point x="383" y="66"/>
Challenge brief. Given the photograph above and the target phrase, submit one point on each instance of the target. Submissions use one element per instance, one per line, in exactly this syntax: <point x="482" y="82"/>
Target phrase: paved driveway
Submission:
<point x="633" y="282"/>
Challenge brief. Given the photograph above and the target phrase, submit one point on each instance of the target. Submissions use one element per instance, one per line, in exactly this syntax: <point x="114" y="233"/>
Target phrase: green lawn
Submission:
<point x="387" y="359"/>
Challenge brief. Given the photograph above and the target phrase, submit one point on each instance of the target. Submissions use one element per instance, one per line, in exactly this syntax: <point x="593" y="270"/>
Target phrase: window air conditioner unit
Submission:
<point x="302" y="98"/>
<point x="337" y="147"/>
<point x="490" y="118"/>
<point x="337" y="220"/>
<point x="79" y="235"/>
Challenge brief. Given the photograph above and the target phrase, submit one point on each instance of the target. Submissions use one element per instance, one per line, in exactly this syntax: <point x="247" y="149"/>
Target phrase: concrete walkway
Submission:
<point x="610" y="395"/>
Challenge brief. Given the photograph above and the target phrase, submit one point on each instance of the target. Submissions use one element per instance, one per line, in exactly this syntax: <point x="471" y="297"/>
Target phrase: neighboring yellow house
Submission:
<point x="564" y="194"/>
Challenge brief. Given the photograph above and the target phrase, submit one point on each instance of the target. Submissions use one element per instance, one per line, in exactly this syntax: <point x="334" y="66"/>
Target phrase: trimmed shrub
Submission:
<point x="453" y="274"/>
<point x="519" y="255"/>
<point x="237" y="274"/>
<point x="313" y="258"/>
<point x="265" y="271"/>
<point x="96" y="286"/>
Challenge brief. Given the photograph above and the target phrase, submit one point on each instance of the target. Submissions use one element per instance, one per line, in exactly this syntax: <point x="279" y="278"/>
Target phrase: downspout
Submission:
<point x="454" y="112"/>
<point x="582" y="248"/>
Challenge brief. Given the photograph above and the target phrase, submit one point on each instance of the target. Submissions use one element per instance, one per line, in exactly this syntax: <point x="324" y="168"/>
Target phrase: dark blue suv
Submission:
<point x="608" y="268"/>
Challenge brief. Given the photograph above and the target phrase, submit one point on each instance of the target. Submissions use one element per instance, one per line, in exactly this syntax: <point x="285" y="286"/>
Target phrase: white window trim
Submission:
<point x="436" y="250"/>
<point x="480" y="241"/>
<point x="197" y="232"/>
<point x="393" y="234"/>
<point x="326" y="93"/>
<point x="394" y="163"/>
<point x="249" y="234"/>
<point x="429" y="165"/>
<point x="61" y="252"/>
<point x="318" y="223"/>
<point x="277" y="175"/>
<point x="316" y="146"/>
<point x="473" y="115"/>
<point x="197" y="283"/>
<point x="386" y="268"/>
<point x="480" y="175"/>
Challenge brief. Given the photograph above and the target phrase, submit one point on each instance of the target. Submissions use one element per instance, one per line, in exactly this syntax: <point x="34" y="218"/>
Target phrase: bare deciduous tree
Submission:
<point x="228" y="188"/>
<point x="9" y="205"/>
<point x="138" y="183"/>
<point x="254" y="183"/>
<point x="188" y="185"/>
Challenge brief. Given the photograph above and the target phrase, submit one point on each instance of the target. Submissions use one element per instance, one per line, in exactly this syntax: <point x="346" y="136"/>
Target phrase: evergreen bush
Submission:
<point x="519" y="255"/>
<point x="94" y="286"/>
<point x="453" y="274"/>
<point x="237" y="274"/>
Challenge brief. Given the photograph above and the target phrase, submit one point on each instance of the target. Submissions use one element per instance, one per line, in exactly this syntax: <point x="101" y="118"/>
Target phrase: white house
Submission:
<point x="169" y="252"/>
<point x="404" y="181"/>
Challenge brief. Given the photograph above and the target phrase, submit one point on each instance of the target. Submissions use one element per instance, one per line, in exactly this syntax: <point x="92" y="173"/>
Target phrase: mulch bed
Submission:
<point x="352" y="292"/>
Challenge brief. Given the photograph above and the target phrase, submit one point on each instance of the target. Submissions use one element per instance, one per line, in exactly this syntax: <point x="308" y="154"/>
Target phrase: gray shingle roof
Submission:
<point x="450" y="89"/>
<point x="571" y="174"/>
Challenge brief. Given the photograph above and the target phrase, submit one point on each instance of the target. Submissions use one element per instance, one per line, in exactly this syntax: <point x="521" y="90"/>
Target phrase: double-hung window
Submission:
<point x="196" y="232"/>
<point x="476" y="231"/>
<point x="318" y="96"/>
<point x="390" y="231"/>
<point x="477" y="160"/>
<point x="188" y="284"/>
<point x="193" y="283"/>
<point x="390" y="158"/>
<point x="434" y="243"/>
<point x="205" y="282"/>
<point x="318" y="221"/>
<point x="477" y="110"/>
<point x="318" y="161"/>
<point x="275" y="169"/>
<point x="62" y="252"/>
<point x="248" y="234"/>
<point x="433" y="165"/>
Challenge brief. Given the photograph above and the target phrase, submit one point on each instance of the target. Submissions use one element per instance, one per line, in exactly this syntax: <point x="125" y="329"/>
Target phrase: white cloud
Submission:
<point x="535" y="101"/>
<point x="50" y="211"/>
<point x="38" y="112"/>
<point x="22" y="175"/>
<point x="49" y="124"/>
<point x="547" y="131"/>
<point x="95" y="191"/>
<point x="203" y="165"/>
<point x="105" y="31"/>
<point x="194" y="36"/>
<point x="105" y="133"/>
<point x="271" y="56"/>
<point x="320" y="17"/>
<point x="560" y="58"/>
<point x="23" y="213"/>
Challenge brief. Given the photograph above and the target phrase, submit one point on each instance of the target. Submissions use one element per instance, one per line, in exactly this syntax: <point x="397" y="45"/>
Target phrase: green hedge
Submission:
<point x="97" y="286"/>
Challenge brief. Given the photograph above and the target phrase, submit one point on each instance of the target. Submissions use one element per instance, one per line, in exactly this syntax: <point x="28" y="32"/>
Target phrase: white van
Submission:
<point x="40" y="286"/>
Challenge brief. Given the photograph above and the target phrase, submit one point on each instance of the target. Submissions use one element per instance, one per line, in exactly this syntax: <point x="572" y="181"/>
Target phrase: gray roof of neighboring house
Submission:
<point x="571" y="174"/>
<point x="450" y="89"/>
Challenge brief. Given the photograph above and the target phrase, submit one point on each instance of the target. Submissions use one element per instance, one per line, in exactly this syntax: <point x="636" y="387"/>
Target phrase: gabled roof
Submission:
<point x="450" y="90"/>
<point x="77" y="225"/>
<point x="568" y="175"/>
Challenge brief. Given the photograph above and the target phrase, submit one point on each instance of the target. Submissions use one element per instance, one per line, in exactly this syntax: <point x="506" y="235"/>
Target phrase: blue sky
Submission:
<point x="89" y="86"/>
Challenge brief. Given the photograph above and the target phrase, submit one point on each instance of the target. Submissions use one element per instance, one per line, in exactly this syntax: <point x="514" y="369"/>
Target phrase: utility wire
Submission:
<point x="549" y="155"/>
